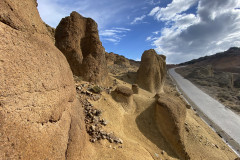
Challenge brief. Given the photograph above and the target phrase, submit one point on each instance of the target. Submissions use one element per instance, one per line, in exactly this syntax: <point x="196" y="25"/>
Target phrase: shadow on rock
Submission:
<point x="147" y="125"/>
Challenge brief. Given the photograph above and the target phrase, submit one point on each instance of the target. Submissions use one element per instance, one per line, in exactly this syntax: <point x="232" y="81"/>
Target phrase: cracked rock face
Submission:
<point x="151" y="74"/>
<point x="37" y="93"/>
<point x="77" y="37"/>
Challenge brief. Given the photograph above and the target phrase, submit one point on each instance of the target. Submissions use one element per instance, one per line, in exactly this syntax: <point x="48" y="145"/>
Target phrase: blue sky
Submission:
<point x="180" y="29"/>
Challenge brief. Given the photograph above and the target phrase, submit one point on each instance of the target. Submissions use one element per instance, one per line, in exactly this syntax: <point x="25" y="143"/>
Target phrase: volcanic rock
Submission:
<point x="77" y="37"/>
<point x="38" y="112"/>
<point x="170" y="118"/>
<point x="151" y="74"/>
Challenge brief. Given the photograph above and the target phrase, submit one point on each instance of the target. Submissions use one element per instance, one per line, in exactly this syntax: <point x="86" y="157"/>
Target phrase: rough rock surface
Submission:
<point x="113" y="58"/>
<point x="77" y="37"/>
<point x="124" y="95"/>
<point x="135" y="88"/>
<point x="39" y="116"/>
<point x="151" y="74"/>
<point x="170" y="117"/>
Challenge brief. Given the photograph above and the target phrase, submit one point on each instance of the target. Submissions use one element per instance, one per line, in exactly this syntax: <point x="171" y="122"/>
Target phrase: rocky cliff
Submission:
<point x="39" y="116"/>
<point x="77" y="37"/>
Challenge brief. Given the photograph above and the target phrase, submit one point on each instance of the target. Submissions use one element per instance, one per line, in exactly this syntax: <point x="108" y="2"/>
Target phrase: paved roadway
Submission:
<point x="223" y="120"/>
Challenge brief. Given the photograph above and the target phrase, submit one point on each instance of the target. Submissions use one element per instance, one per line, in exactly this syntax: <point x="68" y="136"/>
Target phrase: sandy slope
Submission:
<point x="141" y="138"/>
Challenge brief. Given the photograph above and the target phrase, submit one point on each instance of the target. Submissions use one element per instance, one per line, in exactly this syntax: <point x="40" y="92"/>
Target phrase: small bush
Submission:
<point x="96" y="89"/>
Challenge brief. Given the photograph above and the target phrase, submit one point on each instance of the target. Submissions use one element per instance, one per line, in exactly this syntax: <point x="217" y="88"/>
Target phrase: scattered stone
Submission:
<point x="156" y="155"/>
<point x="93" y="122"/>
<point x="96" y="97"/>
<point x="216" y="146"/>
<point x="162" y="152"/>
<point x="114" y="147"/>
<point x="188" y="106"/>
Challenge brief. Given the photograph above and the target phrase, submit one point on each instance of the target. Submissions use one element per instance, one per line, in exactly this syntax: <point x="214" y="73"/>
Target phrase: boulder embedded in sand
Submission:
<point x="77" y="37"/>
<point x="151" y="74"/>
<point x="38" y="113"/>
<point x="170" y="117"/>
<point x="135" y="88"/>
<point x="124" y="95"/>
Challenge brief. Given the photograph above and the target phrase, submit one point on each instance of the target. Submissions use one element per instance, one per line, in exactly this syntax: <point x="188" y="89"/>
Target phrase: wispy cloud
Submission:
<point x="105" y="12"/>
<point x="153" y="2"/>
<point x="113" y="35"/>
<point x="138" y="19"/>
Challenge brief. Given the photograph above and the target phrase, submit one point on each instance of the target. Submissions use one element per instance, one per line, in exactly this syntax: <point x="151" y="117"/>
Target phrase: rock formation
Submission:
<point x="113" y="58"/>
<point x="124" y="95"/>
<point x="170" y="117"/>
<point x="135" y="88"/>
<point x="77" y="37"/>
<point x="151" y="74"/>
<point x="39" y="116"/>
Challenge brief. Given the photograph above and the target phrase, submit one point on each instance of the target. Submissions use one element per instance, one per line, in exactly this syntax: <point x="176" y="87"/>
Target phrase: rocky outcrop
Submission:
<point x="113" y="58"/>
<point x="170" y="117"/>
<point x="151" y="74"/>
<point x="77" y="37"/>
<point x="124" y="95"/>
<point x="39" y="116"/>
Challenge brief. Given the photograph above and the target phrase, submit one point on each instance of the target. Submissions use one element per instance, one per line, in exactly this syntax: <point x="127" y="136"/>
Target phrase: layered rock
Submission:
<point x="39" y="116"/>
<point x="151" y="74"/>
<point x="77" y="37"/>
<point x="170" y="117"/>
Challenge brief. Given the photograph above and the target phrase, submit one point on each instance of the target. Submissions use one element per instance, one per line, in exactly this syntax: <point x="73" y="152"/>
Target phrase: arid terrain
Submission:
<point x="217" y="75"/>
<point x="63" y="97"/>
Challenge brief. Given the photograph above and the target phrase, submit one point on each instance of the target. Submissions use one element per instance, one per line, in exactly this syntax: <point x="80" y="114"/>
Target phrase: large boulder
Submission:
<point x="77" y="37"/>
<point x="170" y="116"/>
<point x="151" y="74"/>
<point x="39" y="116"/>
<point x="124" y="96"/>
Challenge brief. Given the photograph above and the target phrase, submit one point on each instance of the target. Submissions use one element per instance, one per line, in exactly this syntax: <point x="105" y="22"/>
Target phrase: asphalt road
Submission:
<point x="223" y="120"/>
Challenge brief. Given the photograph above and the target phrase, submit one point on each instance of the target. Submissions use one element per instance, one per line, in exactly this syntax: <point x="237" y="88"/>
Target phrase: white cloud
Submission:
<point x="172" y="9"/>
<point x="214" y="28"/>
<point x="138" y="19"/>
<point x="113" y="35"/>
<point x="154" y="11"/>
<point x="153" y="2"/>
<point x="138" y="59"/>
<point x="156" y="32"/>
<point x="149" y="38"/>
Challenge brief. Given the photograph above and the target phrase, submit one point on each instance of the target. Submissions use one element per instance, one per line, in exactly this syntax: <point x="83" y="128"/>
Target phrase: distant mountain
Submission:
<point x="228" y="61"/>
